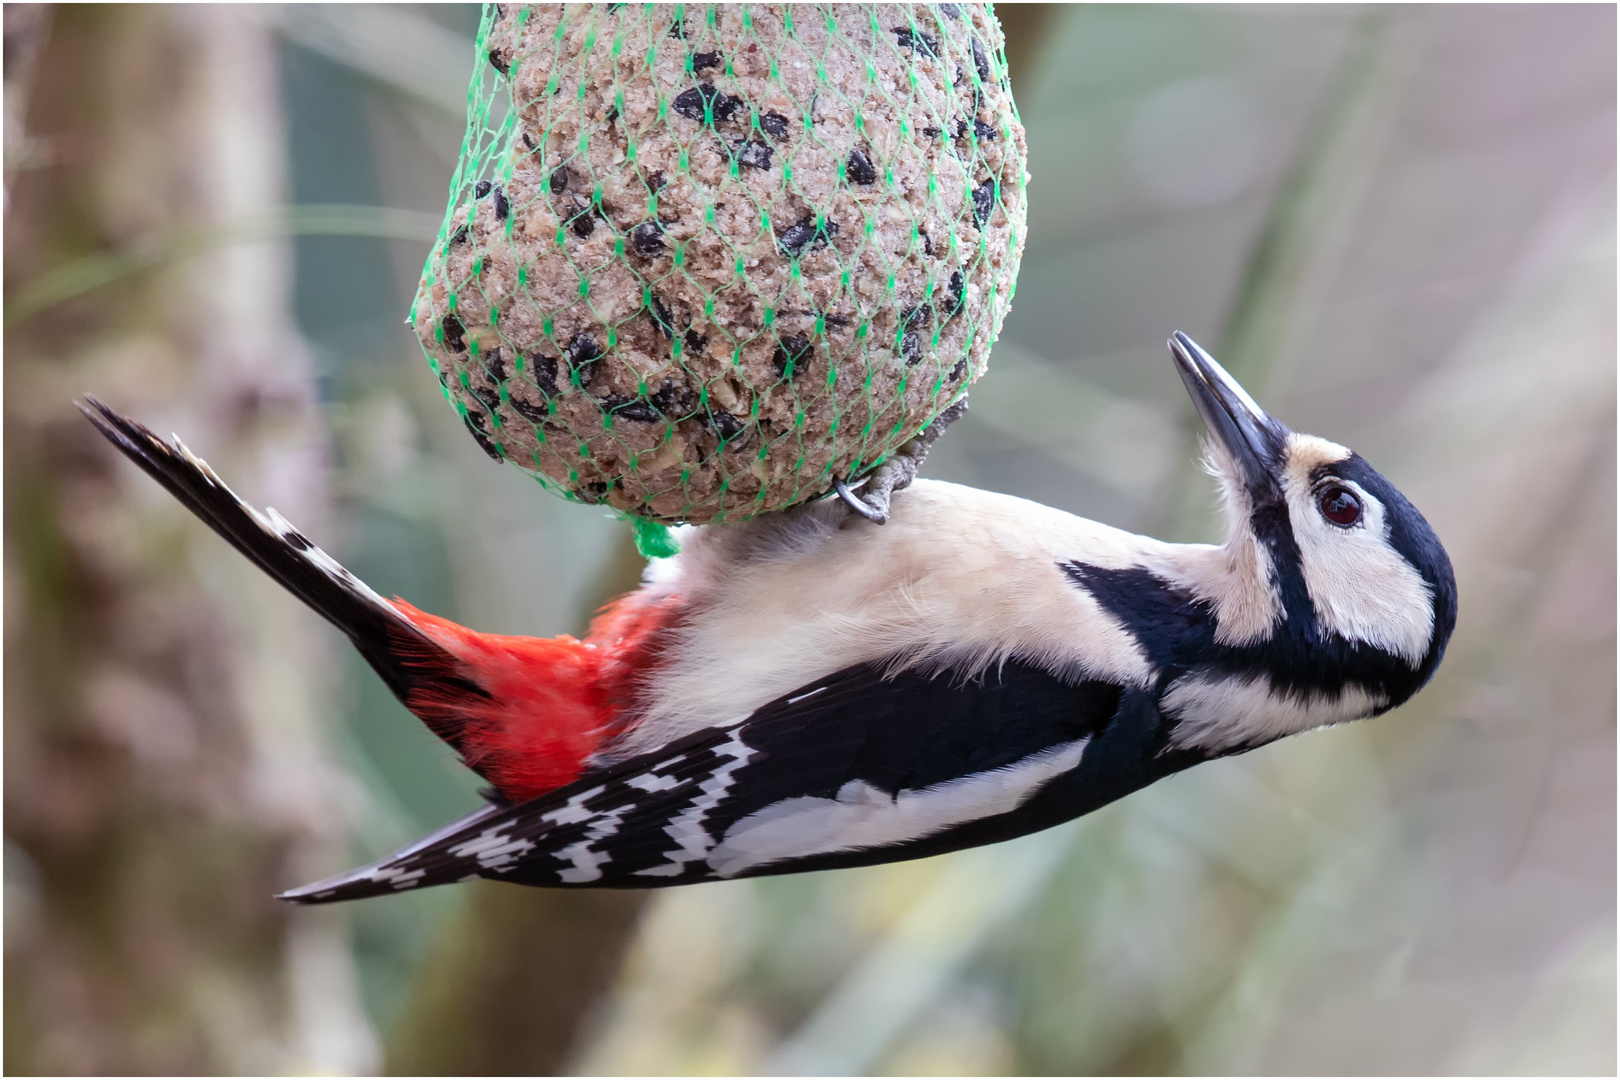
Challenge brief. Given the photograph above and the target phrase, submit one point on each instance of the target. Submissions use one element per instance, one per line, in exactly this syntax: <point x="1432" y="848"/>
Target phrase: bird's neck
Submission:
<point x="1237" y="580"/>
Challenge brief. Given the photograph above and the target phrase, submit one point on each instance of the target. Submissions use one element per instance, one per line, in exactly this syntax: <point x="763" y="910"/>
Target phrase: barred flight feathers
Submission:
<point x="857" y="768"/>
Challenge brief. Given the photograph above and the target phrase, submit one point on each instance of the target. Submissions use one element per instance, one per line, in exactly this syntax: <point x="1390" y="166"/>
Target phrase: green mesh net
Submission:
<point x="701" y="261"/>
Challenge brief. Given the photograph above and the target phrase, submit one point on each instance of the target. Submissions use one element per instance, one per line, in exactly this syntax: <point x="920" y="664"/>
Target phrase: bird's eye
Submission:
<point x="1339" y="505"/>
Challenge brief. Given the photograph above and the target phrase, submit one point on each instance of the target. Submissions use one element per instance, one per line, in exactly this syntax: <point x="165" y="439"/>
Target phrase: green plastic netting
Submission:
<point x="701" y="261"/>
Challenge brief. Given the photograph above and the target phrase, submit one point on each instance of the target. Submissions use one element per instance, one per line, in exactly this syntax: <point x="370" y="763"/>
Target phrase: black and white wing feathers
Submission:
<point x="854" y="769"/>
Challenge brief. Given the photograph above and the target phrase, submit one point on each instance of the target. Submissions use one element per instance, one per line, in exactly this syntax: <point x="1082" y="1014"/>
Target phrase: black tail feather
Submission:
<point x="404" y="657"/>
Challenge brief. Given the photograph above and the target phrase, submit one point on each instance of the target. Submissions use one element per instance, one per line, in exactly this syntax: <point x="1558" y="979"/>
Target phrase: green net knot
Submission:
<point x="653" y="540"/>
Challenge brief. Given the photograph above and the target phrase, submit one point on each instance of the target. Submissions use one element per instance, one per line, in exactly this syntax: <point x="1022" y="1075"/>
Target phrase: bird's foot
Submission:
<point x="898" y="472"/>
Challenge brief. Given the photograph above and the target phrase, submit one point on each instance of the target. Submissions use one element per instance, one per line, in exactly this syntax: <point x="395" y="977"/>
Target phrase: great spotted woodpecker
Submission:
<point x="811" y="690"/>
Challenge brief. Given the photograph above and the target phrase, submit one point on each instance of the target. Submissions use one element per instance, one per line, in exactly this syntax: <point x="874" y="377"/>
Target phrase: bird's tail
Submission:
<point x="524" y="713"/>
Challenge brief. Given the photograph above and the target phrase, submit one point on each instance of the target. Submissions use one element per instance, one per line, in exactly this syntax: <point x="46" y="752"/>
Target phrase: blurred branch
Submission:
<point x="91" y="272"/>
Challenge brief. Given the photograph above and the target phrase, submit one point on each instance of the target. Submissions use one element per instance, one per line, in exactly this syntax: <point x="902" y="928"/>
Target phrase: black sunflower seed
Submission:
<point x="481" y="189"/>
<point x="806" y="236"/>
<point x="502" y="207"/>
<point x="534" y="414"/>
<point x="981" y="60"/>
<point x="984" y="131"/>
<point x="583" y="356"/>
<point x="583" y="223"/>
<point x="695" y="342"/>
<point x="648" y="238"/>
<point x="958" y="290"/>
<point x="984" y="199"/>
<point x="629" y="408"/>
<point x="454" y="334"/>
<point x="791" y="353"/>
<point x="774" y="124"/>
<point x="703" y="60"/>
<point x="498" y="63"/>
<point x="495" y="366"/>
<point x="959" y="370"/>
<point x="475" y="424"/>
<point x="910" y="348"/>
<point x="693" y="103"/>
<point x="724" y="424"/>
<point x="754" y="155"/>
<point x="488" y="395"/>
<point x="559" y="180"/>
<point x="916" y="316"/>
<point x="663" y="319"/>
<point x="545" y="372"/>
<point x="859" y="168"/>
<point x="675" y="398"/>
<point x="916" y="40"/>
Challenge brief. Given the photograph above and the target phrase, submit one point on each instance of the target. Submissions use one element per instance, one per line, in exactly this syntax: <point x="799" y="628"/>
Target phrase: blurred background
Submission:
<point x="1395" y="224"/>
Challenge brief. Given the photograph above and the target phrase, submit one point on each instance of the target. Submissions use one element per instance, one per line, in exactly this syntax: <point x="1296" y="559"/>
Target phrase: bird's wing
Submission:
<point x="855" y="768"/>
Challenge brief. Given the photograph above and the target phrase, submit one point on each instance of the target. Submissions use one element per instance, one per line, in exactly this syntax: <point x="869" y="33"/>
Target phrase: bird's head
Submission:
<point x="1328" y="558"/>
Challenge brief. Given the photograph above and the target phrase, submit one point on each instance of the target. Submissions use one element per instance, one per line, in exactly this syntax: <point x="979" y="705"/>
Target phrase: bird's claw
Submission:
<point x="898" y="472"/>
<point x="876" y="515"/>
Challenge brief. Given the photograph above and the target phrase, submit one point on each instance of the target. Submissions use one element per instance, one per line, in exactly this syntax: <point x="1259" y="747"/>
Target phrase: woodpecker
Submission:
<point x="812" y="689"/>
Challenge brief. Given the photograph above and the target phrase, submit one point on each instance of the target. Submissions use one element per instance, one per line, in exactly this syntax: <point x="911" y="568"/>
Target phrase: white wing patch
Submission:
<point x="1219" y="713"/>
<point x="861" y="816"/>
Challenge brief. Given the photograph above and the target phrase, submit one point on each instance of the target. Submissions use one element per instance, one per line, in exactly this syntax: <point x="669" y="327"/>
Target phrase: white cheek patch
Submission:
<point x="861" y="816"/>
<point x="1219" y="713"/>
<point x="1361" y="587"/>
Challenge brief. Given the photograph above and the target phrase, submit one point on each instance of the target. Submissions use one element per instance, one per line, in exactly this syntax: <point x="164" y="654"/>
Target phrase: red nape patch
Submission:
<point x="546" y="703"/>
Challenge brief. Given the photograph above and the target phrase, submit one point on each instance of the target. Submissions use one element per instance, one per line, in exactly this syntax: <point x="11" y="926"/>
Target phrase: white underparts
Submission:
<point x="1221" y="712"/>
<point x="862" y="816"/>
<point x="958" y="580"/>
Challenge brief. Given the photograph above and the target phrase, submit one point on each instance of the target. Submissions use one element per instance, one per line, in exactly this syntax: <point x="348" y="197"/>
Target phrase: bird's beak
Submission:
<point x="1241" y="428"/>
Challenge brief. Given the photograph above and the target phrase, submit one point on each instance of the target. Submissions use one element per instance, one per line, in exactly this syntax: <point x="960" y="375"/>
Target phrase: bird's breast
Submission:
<point x="958" y="580"/>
